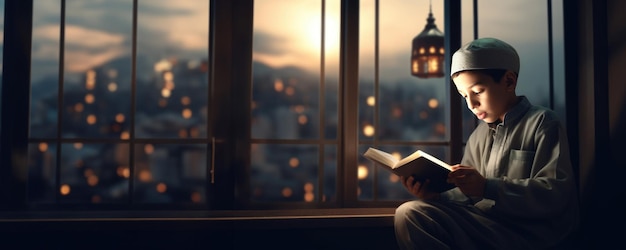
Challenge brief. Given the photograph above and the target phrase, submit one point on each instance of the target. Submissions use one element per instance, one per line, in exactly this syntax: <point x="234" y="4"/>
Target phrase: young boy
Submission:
<point x="515" y="184"/>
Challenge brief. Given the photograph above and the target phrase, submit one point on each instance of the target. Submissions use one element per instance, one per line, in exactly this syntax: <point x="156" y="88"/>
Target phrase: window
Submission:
<point x="295" y="102"/>
<point x="537" y="34"/>
<point x="535" y="29"/>
<point x="398" y="112"/>
<point x="116" y="123"/>
<point x="255" y="104"/>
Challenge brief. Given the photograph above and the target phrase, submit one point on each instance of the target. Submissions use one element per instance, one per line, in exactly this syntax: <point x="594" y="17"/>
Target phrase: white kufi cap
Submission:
<point x="485" y="53"/>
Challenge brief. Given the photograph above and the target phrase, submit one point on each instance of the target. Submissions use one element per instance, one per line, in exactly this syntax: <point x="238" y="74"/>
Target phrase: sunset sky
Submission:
<point x="287" y="33"/>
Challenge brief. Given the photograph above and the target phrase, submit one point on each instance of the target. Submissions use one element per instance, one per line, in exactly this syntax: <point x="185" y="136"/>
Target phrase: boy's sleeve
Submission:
<point x="456" y="195"/>
<point x="470" y="158"/>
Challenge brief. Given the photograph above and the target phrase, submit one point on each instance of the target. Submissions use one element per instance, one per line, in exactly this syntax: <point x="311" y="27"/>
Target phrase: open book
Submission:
<point x="419" y="164"/>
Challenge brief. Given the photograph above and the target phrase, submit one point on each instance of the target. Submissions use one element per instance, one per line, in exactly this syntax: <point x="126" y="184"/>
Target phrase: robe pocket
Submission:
<point x="520" y="163"/>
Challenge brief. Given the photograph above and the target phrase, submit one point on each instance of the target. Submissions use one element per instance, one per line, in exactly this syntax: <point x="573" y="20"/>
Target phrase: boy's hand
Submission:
<point x="468" y="180"/>
<point x="418" y="188"/>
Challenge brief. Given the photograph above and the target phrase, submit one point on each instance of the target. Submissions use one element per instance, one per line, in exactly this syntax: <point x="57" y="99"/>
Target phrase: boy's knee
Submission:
<point x="409" y="208"/>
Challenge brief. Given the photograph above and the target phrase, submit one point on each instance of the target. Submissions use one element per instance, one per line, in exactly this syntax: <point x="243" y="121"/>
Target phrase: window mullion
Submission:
<point x="321" y="101"/>
<point x="349" y="61"/>
<point x="452" y="29"/>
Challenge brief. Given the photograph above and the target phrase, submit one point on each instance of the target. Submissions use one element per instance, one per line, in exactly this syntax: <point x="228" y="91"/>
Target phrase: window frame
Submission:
<point x="13" y="145"/>
<point x="230" y="44"/>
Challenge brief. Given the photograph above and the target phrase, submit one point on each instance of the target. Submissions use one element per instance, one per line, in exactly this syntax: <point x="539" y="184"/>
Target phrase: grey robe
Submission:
<point x="530" y="200"/>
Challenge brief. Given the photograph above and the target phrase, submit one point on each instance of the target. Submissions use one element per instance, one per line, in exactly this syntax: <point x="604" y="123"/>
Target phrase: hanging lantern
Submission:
<point x="427" y="52"/>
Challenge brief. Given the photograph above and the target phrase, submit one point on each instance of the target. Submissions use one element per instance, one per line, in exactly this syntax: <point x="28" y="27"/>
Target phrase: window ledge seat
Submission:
<point x="346" y="228"/>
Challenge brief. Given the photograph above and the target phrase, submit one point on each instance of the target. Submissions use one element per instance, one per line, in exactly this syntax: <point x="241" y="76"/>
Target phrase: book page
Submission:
<point x="382" y="157"/>
<point x="435" y="160"/>
<point x="420" y="153"/>
<point x="409" y="158"/>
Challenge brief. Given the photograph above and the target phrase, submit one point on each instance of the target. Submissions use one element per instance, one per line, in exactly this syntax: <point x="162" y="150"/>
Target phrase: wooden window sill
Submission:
<point x="204" y="220"/>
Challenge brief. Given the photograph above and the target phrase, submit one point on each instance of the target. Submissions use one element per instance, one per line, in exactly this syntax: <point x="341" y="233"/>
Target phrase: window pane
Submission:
<point x="527" y="30"/>
<point x="167" y="173"/>
<point x="88" y="178"/>
<point x="96" y="87"/>
<point x="42" y="184"/>
<point x="172" y="54"/>
<point x="558" y="49"/>
<point x="330" y="174"/>
<point x="366" y="174"/>
<point x="368" y="105"/>
<point x="295" y="101"/>
<point x="290" y="68"/>
<point x="45" y="69"/>
<point x="524" y="25"/>
<point x="172" y="69"/>
<point x="403" y="92"/>
<point x="409" y="108"/>
<point x="289" y="176"/>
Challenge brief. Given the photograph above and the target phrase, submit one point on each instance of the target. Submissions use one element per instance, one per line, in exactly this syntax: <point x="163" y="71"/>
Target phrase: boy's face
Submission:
<point x="487" y="99"/>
